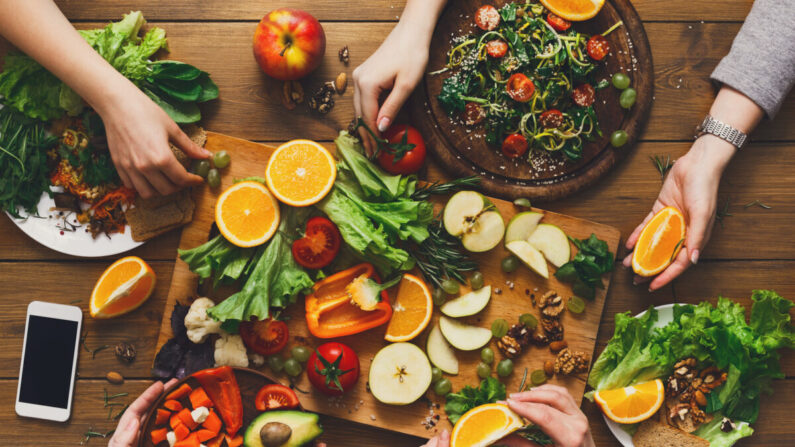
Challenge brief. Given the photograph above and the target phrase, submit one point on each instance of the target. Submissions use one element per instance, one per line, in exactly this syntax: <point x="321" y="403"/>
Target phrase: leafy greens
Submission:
<point x="489" y="391"/>
<point x="593" y="259"/>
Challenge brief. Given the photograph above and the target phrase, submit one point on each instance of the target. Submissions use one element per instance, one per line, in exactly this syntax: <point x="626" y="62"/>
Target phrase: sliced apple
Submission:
<point x="470" y="216"/>
<point x="463" y="336"/>
<point x="400" y="374"/>
<point x="440" y="352"/>
<point x="522" y="226"/>
<point x="468" y="304"/>
<point x="530" y="256"/>
<point x="552" y="242"/>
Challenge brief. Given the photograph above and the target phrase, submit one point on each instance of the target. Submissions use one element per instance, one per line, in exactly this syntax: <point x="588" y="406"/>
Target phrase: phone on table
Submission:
<point x="49" y="361"/>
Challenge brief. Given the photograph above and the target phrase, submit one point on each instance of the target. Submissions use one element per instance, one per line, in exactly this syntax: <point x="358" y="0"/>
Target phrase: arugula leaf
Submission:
<point x="508" y="12"/>
<point x="490" y="391"/>
<point x="451" y="96"/>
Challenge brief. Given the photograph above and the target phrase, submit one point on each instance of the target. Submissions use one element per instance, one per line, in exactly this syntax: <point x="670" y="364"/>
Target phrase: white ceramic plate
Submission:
<point x="76" y="243"/>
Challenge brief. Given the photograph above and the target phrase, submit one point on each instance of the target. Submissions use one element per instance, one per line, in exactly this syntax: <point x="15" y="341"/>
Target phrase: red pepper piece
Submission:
<point x="221" y="386"/>
<point x="216" y="441"/>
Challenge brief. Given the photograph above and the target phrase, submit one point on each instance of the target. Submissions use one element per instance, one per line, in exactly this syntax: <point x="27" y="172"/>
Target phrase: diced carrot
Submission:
<point x="174" y="421"/>
<point x="198" y="398"/>
<point x="190" y="441"/>
<point x="162" y="417"/>
<point x="172" y="405"/>
<point x="186" y="418"/>
<point x="183" y="391"/>
<point x="216" y="441"/>
<point x="159" y="435"/>
<point x="181" y="431"/>
<point x="237" y="441"/>
<point x="204" y="434"/>
<point x="212" y="423"/>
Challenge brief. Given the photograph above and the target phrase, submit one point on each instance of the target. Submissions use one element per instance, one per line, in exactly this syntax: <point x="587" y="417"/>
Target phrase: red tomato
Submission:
<point x="333" y="368"/>
<point x="487" y="18"/>
<point x="551" y="118"/>
<point x="473" y="114"/>
<point x="520" y="88"/>
<point x="409" y="159"/>
<point x="264" y="337"/>
<point x="558" y="23"/>
<point x="320" y="244"/>
<point x="597" y="47"/>
<point x="496" y="48"/>
<point x="514" y="145"/>
<point x="275" y="397"/>
<point x="583" y="95"/>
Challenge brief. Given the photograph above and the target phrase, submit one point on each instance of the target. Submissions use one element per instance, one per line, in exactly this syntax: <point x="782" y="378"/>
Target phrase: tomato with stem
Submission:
<point x="265" y="337"/>
<point x="404" y="151"/>
<point x="320" y="244"/>
<point x="333" y="368"/>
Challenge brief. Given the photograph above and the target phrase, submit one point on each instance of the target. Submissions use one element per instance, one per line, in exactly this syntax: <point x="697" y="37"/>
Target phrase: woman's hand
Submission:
<point x="552" y="409"/>
<point x="129" y="428"/>
<point x="440" y="440"/>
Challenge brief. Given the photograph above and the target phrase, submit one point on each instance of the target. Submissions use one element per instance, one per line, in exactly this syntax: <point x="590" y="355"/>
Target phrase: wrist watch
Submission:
<point x="711" y="125"/>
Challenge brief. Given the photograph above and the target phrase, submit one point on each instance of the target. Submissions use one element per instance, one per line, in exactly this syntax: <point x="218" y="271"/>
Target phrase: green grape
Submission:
<point x="221" y="159"/>
<point x="509" y="264"/>
<point x="487" y="355"/>
<point x="214" y="178"/>
<point x="523" y="202"/>
<point x="443" y="387"/>
<point x="301" y="353"/>
<point x="505" y="368"/>
<point x="438" y="297"/>
<point x="436" y="374"/>
<point x="576" y="305"/>
<point x="627" y="98"/>
<point x="621" y="81"/>
<point x="499" y="328"/>
<point x="538" y="377"/>
<point x="276" y="363"/>
<point x="619" y="138"/>
<point x="484" y="370"/>
<point x="201" y="168"/>
<point x="476" y="281"/>
<point x="450" y="286"/>
<point x="292" y="367"/>
<point x="528" y="320"/>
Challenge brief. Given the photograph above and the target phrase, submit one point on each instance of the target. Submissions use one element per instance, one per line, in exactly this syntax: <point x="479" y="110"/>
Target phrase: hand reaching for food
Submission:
<point x="129" y="428"/>
<point x="554" y="411"/>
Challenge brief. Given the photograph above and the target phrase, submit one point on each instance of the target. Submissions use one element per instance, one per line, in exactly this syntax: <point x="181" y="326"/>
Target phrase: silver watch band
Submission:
<point x="722" y="130"/>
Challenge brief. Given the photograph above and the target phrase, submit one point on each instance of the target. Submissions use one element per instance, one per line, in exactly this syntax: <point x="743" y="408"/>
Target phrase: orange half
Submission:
<point x="247" y="214"/>
<point x="659" y="242"/>
<point x="123" y="287"/>
<point x="574" y="10"/>
<point x="632" y="404"/>
<point x="411" y="310"/>
<point x="300" y="172"/>
<point x="484" y="425"/>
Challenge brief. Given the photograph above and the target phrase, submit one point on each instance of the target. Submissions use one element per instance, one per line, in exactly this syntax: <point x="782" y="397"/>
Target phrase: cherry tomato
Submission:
<point x="473" y="114"/>
<point x="333" y="368"/>
<point x="400" y="137"/>
<point x="597" y="47"/>
<point x="487" y="18"/>
<point x="320" y="244"/>
<point x="558" y="23"/>
<point x="496" y="48"/>
<point x="551" y="119"/>
<point x="264" y="337"/>
<point x="276" y="397"/>
<point x="520" y="88"/>
<point x="583" y="95"/>
<point x="514" y="145"/>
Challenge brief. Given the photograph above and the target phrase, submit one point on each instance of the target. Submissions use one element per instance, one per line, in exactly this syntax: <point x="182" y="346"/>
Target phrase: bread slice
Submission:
<point x="654" y="434"/>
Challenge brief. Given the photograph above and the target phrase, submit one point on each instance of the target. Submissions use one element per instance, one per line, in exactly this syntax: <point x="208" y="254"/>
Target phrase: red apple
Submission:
<point x="289" y="44"/>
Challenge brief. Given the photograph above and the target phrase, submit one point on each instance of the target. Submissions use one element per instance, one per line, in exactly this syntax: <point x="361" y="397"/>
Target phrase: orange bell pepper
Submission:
<point x="330" y="312"/>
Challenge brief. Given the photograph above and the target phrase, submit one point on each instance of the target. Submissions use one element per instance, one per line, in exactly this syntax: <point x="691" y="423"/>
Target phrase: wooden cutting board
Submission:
<point x="463" y="150"/>
<point x="512" y="300"/>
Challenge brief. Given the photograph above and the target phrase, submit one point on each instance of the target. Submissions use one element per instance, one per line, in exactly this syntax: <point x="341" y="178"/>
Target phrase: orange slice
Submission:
<point x="659" y="242"/>
<point x="301" y="172"/>
<point x="124" y="286"/>
<point x="411" y="310"/>
<point x="574" y="10"/>
<point x="247" y="214"/>
<point x="484" y="425"/>
<point x="632" y="404"/>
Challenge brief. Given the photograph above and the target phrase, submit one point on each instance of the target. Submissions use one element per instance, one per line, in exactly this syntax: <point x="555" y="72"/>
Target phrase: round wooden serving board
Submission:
<point x="463" y="151"/>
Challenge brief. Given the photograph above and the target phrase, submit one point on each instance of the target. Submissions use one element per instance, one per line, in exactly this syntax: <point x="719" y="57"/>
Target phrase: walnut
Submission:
<point x="581" y="361"/>
<point x="678" y="411"/>
<point x="344" y="55"/>
<point x="125" y="351"/>
<point x="509" y="347"/>
<point x="322" y="100"/>
<point x="521" y="334"/>
<point x="568" y="362"/>
<point x="674" y="386"/>
<point x="552" y="328"/>
<point x="540" y="338"/>
<point x="292" y="94"/>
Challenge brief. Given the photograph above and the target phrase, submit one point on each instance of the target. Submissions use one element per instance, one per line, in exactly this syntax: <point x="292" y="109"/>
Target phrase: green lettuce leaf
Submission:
<point x="30" y="88"/>
<point x="718" y="438"/>
<point x="375" y="183"/>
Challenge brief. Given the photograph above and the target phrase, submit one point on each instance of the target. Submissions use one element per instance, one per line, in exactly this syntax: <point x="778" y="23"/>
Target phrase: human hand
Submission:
<point x="440" y="440"/>
<point x="128" y="430"/>
<point x="552" y="409"/>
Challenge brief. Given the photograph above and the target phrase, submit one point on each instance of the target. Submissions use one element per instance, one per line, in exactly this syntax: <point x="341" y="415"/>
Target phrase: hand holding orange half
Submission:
<point x="659" y="242"/>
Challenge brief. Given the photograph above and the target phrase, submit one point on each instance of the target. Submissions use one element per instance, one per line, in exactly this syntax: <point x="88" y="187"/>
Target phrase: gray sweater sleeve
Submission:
<point x="761" y="63"/>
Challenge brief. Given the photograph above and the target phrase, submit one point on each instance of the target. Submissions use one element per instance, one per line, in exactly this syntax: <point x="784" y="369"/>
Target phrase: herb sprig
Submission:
<point x="663" y="164"/>
<point x="441" y="256"/>
<point x="441" y="188"/>
<point x="585" y="271"/>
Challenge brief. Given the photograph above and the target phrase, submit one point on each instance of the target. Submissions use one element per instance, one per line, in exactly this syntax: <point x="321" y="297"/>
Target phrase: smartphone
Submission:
<point x="49" y="361"/>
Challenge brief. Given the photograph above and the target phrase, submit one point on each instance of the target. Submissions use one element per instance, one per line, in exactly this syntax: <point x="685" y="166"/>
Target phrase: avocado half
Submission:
<point x="305" y="427"/>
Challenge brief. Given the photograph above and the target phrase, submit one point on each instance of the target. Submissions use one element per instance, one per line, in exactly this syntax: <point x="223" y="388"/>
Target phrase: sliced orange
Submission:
<point x="301" y="172"/>
<point x="574" y="10"/>
<point x="632" y="404"/>
<point x="659" y="242"/>
<point x="247" y="214"/>
<point x="123" y="286"/>
<point x="484" y="425"/>
<point x="411" y="310"/>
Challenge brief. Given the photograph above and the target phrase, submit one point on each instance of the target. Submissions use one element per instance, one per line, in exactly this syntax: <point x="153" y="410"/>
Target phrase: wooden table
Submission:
<point x="753" y="249"/>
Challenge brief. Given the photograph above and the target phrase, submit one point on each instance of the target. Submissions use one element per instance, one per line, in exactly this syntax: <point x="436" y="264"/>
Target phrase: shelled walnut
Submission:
<point x="344" y="54"/>
<point x="292" y="94"/>
<point x="125" y="351"/>
<point x="552" y="327"/>
<point x="322" y="100"/>
<point x="517" y="338"/>
<point x="568" y="362"/>
<point x="551" y="304"/>
<point x="686" y="393"/>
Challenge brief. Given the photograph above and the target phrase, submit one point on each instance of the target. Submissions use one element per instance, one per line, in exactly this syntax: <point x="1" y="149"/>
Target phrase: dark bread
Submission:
<point x="655" y="434"/>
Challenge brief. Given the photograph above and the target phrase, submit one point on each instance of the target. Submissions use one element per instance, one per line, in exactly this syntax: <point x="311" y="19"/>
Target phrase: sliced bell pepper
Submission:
<point x="181" y="432"/>
<point x="212" y="423"/>
<point x="221" y="386"/>
<point x="172" y="405"/>
<point x="330" y="312"/>
<point x="159" y="435"/>
<point x="162" y="417"/>
<point x="180" y="392"/>
<point x="198" y="398"/>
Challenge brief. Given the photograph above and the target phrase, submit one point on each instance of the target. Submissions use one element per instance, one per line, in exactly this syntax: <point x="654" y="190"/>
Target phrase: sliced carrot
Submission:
<point x="181" y="431"/>
<point x="204" y="434"/>
<point x="237" y="441"/>
<point x="159" y="435"/>
<point x="174" y="421"/>
<point x="172" y="405"/>
<point x="162" y="417"/>
<point x="216" y="441"/>
<point x="198" y="398"/>
<point x="183" y="391"/>
<point x="186" y="418"/>
<point x="190" y="441"/>
<point x="212" y="423"/>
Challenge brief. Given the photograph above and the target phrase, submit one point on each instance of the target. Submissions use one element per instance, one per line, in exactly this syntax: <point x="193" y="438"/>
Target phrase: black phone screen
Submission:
<point x="47" y="366"/>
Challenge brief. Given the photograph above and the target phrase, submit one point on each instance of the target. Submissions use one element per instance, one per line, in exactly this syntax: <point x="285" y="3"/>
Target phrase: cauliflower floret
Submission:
<point x="256" y="359"/>
<point x="200" y="414"/>
<point x="230" y="351"/>
<point x="198" y="323"/>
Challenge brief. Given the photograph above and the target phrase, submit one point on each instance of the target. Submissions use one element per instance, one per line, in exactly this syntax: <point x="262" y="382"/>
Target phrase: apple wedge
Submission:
<point x="468" y="303"/>
<point x="470" y="216"/>
<point x="463" y="336"/>
<point x="521" y="226"/>
<point x="400" y="374"/>
<point x="552" y="242"/>
<point x="530" y="256"/>
<point x="441" y="353"/>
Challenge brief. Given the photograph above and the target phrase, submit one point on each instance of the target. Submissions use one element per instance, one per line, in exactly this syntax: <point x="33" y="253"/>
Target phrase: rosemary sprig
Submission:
<point x="757" y="203"/>
<point x="441" y="256"/>
<point x="83" y="341"/>
<point x="90" y="433"/>
<point x="678" y="244"/>
<point x="439" y="188"/>
<point x="723" y="212"/>
<point x="524" y="379"/>
<point x="94" y="352"/>
<point x="118" y="415"/>
<point x="663" y="164"/>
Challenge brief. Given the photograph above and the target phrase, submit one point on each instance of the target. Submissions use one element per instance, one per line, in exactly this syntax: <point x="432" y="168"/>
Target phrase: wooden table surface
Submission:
<point x="753" y="249"/>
